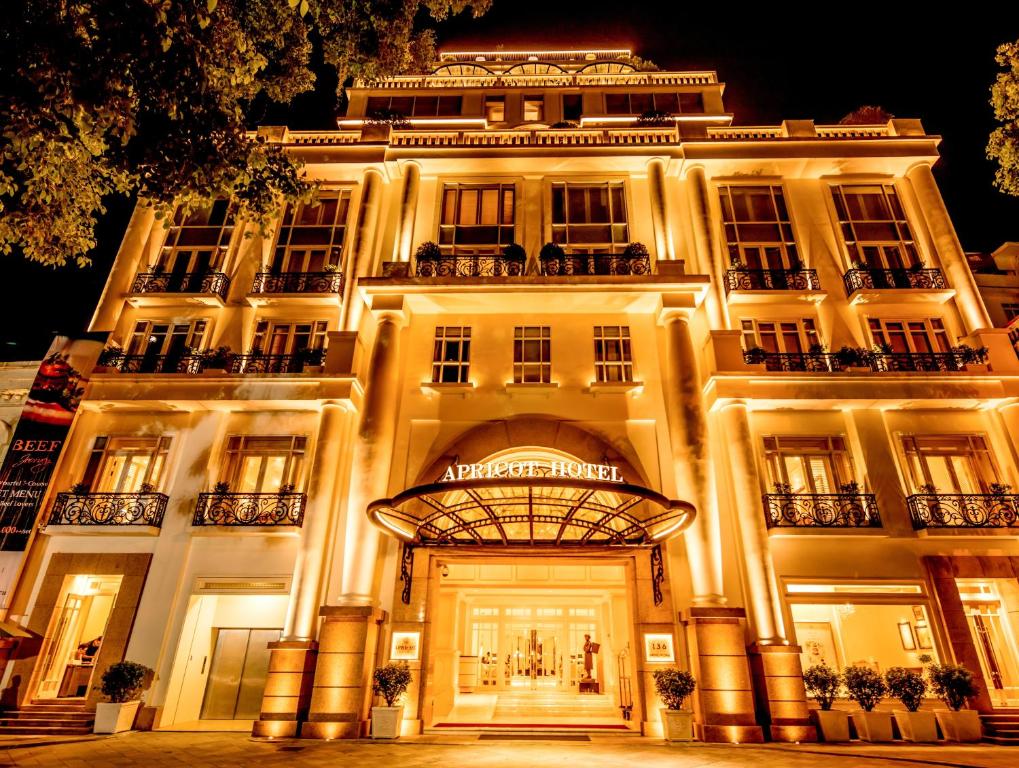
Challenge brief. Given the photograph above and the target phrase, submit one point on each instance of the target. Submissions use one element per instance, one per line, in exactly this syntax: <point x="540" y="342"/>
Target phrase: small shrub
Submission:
<point x="428" y="250"/>
<point x="80" y="489"/>
<point x="654" y="119"/>
<point x="146" y="488"/>
<point x="636" y="251"/>
<point x="124" y="681"/>
<point x="514" y="252"/>
<point x="756" y="355"/>
<point x="907" y="686"/>
<point x="218" y="358"/>
<point x="551" y="251"/>
<point x="851" y="488"/>
<point x="822" y="684"/>
<point x="391" y="682"/>
<point x="674" y="686"/>
<point x="222" y="488"/>
<point x="1000" y="489"/>
<point x="953" y="684"/>
<point x="865" y="686"/>
<point x="565" y="124"/>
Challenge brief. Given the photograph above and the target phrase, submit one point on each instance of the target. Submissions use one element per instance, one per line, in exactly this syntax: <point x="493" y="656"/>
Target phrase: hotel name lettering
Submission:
<point x="568" y="470"/>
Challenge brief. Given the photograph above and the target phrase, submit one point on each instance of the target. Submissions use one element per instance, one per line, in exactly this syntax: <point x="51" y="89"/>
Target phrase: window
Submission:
<point x="910" y="336"/>
<point x="152" y="339"/>
<point x="125" y="464"/>
<point x="1011" y="311"/>
<point x="257" y="464"/>
<point x="807" y="464"/>
<point x="949" y="463"/>
<point x="639" y="103"/>
<point x="573" y="106"/>
<point x="274" y="338"/>
<point x="196" y="243"/>
<point x="415" y="106"/>
<point x="311" y="236"/>
<point x="534" y="109"/>
<point x="757" y="228"/>
<point x="532" y="354"/>
<point x="476" y="219"/>
<point x="874" y="228"/>
<point x="589" y="218"/>
<point x="612" y="357"/>
<point x="451" y="358"/>
<point x="495" y="109"/>
<point x="775" y="336"/>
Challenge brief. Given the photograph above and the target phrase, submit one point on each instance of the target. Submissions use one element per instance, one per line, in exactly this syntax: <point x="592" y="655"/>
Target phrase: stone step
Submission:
<point x="37" y="717"/>
<point x="1002" y="741"/>
<point x="44" y="730"/>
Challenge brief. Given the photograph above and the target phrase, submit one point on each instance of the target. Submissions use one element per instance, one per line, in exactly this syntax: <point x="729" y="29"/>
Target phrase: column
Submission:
<point x="359" y="257"/>
<point x="774" y="663"/>
<point x="125" y="266"/>
<point x="660" y="211"/>
<point x="704" y="247"/>
<point x="949" y="250"/>
<point x="408" y="211"/>
<point x="1009" y="415"/>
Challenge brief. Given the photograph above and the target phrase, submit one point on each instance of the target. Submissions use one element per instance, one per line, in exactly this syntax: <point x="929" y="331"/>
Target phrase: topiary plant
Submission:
<point x="953" y="684"/>
<point x="822" y="684"/>
<point x="636" y="251"/>
<point x="124" y="681"/>
<point x="674" y="686"/>
<point x="514" y="252"/>
<point x="907" y="686"/>
<point x="391" y="682"/>
<point x="551" y="251"/>
<point x="428" y="250"/>
<point x="866" y="687"/>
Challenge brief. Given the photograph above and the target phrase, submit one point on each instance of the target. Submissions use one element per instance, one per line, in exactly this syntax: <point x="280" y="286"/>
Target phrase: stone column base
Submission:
<point x="288" y="688"/>
<point x="781" y="698"/>
<point x="724" y="702"/>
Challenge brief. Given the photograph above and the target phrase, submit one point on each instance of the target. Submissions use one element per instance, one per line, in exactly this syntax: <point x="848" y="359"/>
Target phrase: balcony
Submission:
<point x="963" y="510"/>
<point x="821" y="510"/>
<point x="255" y="362"/>
<point x="742" y="279"/>
<point x="297" y="282"/>
<point x="200" y="287"/>
<point x="895" y="285"/>
<point x="141" y="509"/>
<point x="190" y="363"/>
<point x="595" y="264"/>
<point x="794" y="362"/>
<point x="925" y="362"/>
<point x="459" y="265"/>
<point x="285" y="508"/>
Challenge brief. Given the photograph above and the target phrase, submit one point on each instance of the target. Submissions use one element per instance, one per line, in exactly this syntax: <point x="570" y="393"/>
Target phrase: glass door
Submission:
<point x="240" y="664"/>
<point x="535" y="657"/>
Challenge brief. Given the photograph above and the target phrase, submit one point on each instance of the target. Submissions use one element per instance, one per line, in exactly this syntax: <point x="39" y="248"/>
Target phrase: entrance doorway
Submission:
<point x="237" y="672"/>
<point x="83" y="611"/>
<point x="992" y="613"/>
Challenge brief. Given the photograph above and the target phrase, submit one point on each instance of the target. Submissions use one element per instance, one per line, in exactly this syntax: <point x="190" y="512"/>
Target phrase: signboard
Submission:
<point x="406" y="646"/>
<point x="658" y="648"/>
<point x="571" y="470"/>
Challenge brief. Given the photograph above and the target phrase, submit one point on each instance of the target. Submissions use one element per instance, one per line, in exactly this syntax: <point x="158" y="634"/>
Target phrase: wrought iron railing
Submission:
<point x="772" y="280"/>
<point x="595" y="264"/>
<point x="821" y="510"/>
<point x="187" y="282"/>
<point x="187" y="363"/>
<point x="917" y="361"/>
<point x="109" y="509"/>
<point x="964" y="510"/>
<point x="256" y="509"/>
<point x="259" y="363"/>
<point x="477" y="265"/>
<point x="812" y="362"/>
<point x="297" y="282"/>
<point x="859" y="279"/>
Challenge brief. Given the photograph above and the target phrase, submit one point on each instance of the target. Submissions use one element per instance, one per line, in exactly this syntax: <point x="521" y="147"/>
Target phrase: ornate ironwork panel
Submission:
<point x="406" y="571"/>
<point x="860" y="279"/>
<point x="297" y="282"/>
<point x="457" y="265"/>
<point x="657" y="573"/>
<point x="595" y="264"/>
<point x="109" y="509"/>
<point x="812" y="362"/>
<point x="821" y="510"/>
<point x="189" y="363"/>
<point x="964" y="510"/>
<point x="772" y="280"/>
<point x="185" y="282"/>
<point x="918" y="361"/>
<point x="258" y="363"/>
<point x="258" y="509"/>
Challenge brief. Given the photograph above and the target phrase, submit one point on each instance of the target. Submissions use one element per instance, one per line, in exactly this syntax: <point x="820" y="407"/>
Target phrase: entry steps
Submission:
<point x="48" y="717"/>
<point x="534" y="713"/>
<point x="1002" y="727"/>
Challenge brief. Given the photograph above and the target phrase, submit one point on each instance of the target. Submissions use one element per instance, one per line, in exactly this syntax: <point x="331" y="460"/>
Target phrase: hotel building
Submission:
<point x="560" y="353"/>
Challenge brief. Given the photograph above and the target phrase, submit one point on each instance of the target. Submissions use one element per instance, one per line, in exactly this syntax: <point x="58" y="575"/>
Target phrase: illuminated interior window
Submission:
<point x="495" y="109"/>
<point x="311" y="237"/>
<point x="263" y="464"/>
<point x="859" y="588"/>
<point x="451" y="357"/>
<point x="920" y="336"/>
<point x="477" y="219"/>
<point x="780" y="337"/>
<point x="949" y="463"/>
<point x="415" y="106"/>
<point x="589" y="218"/>
<point x="126" y="464"/>
<point x="758" y="232"/>
<point x="532" y="354"/>
<point x="807" y="464"/>
<point x="196" y="244"/>
<point x="534" y="109"/>
<point x="874" y="227"/>
<point x="613" y="360"/>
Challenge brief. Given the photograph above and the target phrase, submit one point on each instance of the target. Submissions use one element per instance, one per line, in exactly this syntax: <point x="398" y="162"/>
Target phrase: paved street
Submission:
<point x="226" y="749"/>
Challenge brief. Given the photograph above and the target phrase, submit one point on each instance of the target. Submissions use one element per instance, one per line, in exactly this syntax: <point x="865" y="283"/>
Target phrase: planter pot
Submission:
<point x="873" y="726"/>
<point x="214" y="372"/>
<point x="677" y="724"/>
<point x="963" y="725"/>
<point x="916" y="726"/>
<point x="858" y="369"/>
<point x="977" y="367"/>
<point x="115" y="718"/>
<point x="832" y="724"/>
<point x="386" y="722"/>
<point x="314" y="368"/>
<point x="757" y="366"/>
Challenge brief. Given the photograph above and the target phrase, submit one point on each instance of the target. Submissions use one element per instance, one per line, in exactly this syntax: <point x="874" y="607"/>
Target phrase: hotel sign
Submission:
<point x="406" y="646"/>
<point x="566" y="470"/>
<point x="658" y="648"/>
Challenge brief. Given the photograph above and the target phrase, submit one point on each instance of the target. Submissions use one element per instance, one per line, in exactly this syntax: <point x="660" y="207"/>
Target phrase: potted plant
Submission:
<point x="866" y="687"/>
<point x="755" y="356"/>
<point x="970" y="358"/>
<point x="953" y="684"/>
<point x="80" y="489"/>
<point x="217" y="361"/>
<point x="122" y="684"/>
<point x="822" y="684"/>
<point x="390" y="682"/>
<point x="674" y="687"/>
<point x="909" y="687"/>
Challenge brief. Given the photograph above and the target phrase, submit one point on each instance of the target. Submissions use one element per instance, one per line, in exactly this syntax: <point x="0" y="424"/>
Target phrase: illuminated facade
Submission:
<point x="782" y="430"/>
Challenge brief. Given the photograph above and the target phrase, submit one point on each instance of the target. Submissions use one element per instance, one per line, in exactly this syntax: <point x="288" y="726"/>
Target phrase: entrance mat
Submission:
<point x="531" y="737"/>
<point x="575" y="726"/>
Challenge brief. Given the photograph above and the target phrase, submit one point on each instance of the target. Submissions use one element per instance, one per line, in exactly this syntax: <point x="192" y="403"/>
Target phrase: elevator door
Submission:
<point x="240" y="663"/>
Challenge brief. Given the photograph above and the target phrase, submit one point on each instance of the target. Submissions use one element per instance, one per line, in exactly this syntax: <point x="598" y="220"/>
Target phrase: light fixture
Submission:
<point x="444" y="570"/>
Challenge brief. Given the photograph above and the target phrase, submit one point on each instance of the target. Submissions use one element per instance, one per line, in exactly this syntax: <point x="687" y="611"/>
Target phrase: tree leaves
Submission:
<point x="1003" y="145"/>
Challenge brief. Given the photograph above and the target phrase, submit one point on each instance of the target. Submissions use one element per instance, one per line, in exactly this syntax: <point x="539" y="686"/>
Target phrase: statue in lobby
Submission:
<point x="590" y="649"/>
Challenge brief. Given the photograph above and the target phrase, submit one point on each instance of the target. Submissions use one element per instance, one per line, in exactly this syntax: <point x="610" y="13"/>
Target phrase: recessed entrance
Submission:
<point x="992" y="608"/>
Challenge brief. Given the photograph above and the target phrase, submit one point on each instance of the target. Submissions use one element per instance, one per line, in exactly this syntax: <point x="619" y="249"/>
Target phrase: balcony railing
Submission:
<point x="595" y="264"/>
<point x="254" y="509"/>
<point x="258" y="363"/>
<point x="297" y="282"/>
<point x="831" y="362"/>
<point x="187" y="363"/>
<point x="918" y="361"/>
<point x="821" y="510"/>
<point x="216" y="283"/>
<point x="771" y="280"/>
<point x="964" y="510"/>
<point x="869" y="279"/>
<point x="810" y="362"/>
<point x="459" y="265"/>
<point x="109" y="509"/>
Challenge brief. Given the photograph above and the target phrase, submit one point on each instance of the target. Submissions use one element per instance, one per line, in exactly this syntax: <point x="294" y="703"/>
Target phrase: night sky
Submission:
<point x="777" y="62"/>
